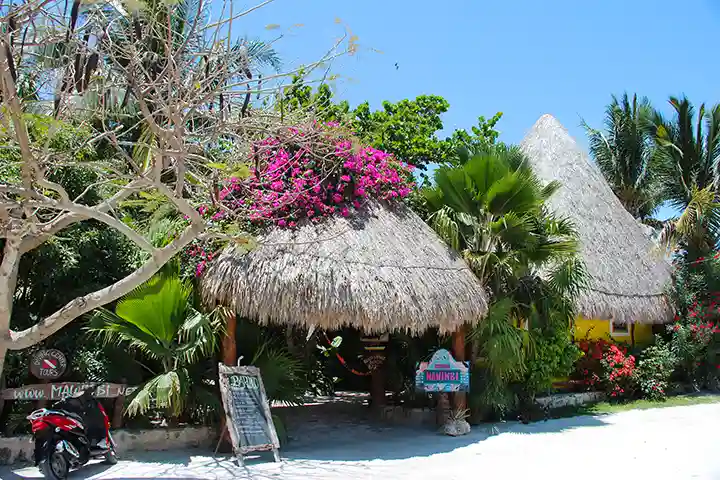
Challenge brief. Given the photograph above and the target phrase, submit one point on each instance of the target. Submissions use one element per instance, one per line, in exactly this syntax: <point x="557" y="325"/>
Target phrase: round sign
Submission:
<point x="48" y="364"/>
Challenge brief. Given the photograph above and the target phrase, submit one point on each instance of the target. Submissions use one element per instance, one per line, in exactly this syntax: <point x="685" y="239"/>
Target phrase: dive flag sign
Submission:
<point x="48" y="364"/>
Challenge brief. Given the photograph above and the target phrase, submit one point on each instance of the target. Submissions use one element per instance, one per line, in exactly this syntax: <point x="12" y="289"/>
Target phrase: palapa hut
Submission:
<point x="379" y="271"/>
<point x="628" y="272"/>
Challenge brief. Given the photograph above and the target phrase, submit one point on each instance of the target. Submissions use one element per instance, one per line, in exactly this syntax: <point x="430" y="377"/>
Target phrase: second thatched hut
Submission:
<point x="628" y="273"/>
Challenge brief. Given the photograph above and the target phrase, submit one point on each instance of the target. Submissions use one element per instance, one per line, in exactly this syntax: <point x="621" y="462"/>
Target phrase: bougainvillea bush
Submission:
<point x="619" y="372"/>
<point x="607" y="367"/>
<point x="303" y="174"/>
<point x="695" y="342"/>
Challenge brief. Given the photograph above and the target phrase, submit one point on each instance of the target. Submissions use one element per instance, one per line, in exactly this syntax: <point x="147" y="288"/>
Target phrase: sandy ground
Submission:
<point x="670" y="443"/>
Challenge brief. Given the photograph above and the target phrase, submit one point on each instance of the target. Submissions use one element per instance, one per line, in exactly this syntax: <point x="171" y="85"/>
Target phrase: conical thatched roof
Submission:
<point x="628" y="273"/>
<point x="383" y="269"/>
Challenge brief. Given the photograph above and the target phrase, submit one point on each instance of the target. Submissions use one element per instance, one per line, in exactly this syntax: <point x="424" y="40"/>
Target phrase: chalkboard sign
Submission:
<point x="247" y="411"/>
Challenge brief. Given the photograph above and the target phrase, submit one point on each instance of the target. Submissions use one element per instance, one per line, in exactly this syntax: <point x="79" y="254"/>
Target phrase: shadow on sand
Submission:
<point x="398" y="443"/>
<point x="314" y="454"/>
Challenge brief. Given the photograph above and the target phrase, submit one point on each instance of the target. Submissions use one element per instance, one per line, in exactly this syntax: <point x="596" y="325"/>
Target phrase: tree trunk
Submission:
<point x="8" y="280"/>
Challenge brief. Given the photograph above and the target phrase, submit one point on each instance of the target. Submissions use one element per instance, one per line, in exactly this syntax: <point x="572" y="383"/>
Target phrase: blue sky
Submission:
<point x="522" y="57"/>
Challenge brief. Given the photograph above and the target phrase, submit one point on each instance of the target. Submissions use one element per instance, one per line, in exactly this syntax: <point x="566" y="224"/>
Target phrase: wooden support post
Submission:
<point x="42" y="403"/>
<point x="377" y="386"/>
<point x="229" y="344"/>
<point x="118" y="408"/>
<point x="228" y="352"/>
<point x="458" y="346"/>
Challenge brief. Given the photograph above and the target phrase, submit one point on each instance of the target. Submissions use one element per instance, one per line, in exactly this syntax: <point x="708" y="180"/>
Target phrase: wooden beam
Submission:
<point x="228" y="353"/>
<point x="229" y="342"/>
<point x="377" y="386"/>
<point x="458" y="346"/>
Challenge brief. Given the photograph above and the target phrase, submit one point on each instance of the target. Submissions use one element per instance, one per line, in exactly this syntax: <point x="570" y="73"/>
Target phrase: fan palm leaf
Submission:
<point x="157" y="320"/>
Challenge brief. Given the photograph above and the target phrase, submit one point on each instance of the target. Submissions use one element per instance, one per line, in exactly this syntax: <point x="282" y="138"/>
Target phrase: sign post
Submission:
<point x="247" y="409"/>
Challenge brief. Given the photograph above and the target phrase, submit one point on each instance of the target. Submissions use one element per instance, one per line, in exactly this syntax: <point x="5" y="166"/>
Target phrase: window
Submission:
<point x="619" y="329"/>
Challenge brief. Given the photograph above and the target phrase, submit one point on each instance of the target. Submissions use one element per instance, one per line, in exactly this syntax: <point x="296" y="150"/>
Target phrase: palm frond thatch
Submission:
<point x="382" y="270"/>
<point x="628" y="275"/>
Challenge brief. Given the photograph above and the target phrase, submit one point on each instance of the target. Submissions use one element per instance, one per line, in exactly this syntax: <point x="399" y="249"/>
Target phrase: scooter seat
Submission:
<point x="74" y="416"/>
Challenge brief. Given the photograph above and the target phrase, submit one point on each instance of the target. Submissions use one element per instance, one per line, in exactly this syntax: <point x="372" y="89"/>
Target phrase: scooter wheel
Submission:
<point x="111" y="458"/>
<point x="55" y="467"/>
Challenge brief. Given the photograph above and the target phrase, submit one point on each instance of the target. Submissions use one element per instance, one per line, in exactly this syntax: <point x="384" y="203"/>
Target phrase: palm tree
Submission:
<point x="689" y="152"/>
<point x="492" y="210"/>
<point x="157" y="320"/>
<point x="696" y="232"/>
<point x="625" y="154"/>
<point x="689" y="149"/>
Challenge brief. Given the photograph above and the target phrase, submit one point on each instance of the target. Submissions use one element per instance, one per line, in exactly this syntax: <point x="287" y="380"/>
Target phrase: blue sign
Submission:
<point x="443" y="374"/>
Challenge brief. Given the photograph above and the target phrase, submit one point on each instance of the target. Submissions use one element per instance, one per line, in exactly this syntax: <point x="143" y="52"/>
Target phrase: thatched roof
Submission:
<point x="381" y="270"/>
<point x="628" y="273"/>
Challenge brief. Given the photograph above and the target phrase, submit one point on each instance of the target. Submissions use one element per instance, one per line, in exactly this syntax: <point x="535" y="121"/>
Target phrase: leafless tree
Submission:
<point x="189" y="82"/>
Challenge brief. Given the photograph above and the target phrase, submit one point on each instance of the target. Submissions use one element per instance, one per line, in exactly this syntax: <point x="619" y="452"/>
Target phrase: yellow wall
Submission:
<point x="597" y="329"/>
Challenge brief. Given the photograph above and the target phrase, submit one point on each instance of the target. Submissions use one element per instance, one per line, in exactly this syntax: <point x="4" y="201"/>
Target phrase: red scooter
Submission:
<point x="70" y="434"/>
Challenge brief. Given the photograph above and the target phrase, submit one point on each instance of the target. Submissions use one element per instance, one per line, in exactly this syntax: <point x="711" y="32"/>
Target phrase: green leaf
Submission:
<point x="217" y="165"/>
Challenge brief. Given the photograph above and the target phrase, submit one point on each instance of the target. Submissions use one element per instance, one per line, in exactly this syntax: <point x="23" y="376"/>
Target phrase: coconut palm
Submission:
<point x="689" y="152"/>
<point x="696" y="232"/>
<point x="625" y="154"/>
<point x="689" y="149"/>
<point x="158" y="321"/>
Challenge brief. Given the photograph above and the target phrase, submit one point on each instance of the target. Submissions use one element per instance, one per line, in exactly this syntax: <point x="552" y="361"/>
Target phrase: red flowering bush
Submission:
<point x="307" y="174"/>
<point x="619" y="372"/>
<point x="606" y="366"/>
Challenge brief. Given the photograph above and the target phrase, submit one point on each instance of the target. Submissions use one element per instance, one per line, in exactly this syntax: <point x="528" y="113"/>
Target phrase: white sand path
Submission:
<point x="674" y="443"/>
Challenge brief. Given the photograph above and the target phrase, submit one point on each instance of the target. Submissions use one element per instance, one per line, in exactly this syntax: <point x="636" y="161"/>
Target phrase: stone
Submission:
<point x="456" y="428"/>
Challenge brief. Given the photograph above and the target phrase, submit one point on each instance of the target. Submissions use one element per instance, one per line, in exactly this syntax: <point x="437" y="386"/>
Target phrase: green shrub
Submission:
<point x="655" y="369"/>
<point x="554" y="355"/>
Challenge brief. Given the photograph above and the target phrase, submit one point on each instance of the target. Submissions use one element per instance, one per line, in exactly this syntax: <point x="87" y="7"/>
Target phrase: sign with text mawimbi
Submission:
<point x="443" y="374"/>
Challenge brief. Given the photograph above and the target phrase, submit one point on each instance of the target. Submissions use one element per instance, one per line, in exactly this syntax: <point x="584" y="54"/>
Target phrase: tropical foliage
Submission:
<point x="491" y="208"/>
<point x="689" y="148"/>
<point x="408" y="129"/>
<point x="320" y="158"/>
<point x="158" y="322"/>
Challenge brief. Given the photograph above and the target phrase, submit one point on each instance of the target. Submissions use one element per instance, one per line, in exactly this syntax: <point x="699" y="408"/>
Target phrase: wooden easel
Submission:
<point x="238" y="450"/>
<point x="239" y="455"/>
